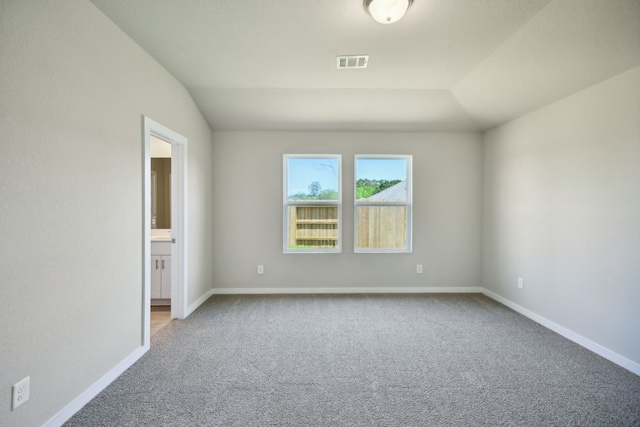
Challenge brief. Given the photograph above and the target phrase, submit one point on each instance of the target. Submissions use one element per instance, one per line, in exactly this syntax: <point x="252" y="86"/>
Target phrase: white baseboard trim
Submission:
<point x="351" y="290"/>
<point x="198" y="303"/>
<point x="65" y="414"/>
<point x="570" y="335"/>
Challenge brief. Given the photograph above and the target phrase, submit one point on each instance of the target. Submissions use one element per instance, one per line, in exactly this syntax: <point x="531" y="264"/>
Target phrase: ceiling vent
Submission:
<point x="354" y="61"/>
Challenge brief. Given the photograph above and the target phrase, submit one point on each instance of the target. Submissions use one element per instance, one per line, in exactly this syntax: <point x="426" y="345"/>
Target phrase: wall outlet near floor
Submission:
<point x="419" y="268"/>
<point x="20" y="391"/>
<point x="261" y="269"/>
<point x="520" y="282"/>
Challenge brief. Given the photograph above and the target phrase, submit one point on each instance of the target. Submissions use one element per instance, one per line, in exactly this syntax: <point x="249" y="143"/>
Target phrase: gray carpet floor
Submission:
<point x="364" y="360"/>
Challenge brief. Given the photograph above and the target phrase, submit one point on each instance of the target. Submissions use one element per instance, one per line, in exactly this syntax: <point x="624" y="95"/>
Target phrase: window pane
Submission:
<point x="312" y="203"/>
<point x="381" y="180"/>
<point x="381" y="227"/>
<point x="312" y="227"/>
<point x="312" y="179"/>
<point x="383" y="203"/>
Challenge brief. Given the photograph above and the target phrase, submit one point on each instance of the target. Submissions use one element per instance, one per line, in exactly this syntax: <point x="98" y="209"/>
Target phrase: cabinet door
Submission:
<point x="166" y="276"/>
<point x="156" y="276"/>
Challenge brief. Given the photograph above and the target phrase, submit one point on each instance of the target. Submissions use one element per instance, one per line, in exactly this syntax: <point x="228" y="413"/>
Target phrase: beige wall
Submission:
<point x="72" y="94"/>
<point x="562" y="211"/>
<point x="249" y="219"/>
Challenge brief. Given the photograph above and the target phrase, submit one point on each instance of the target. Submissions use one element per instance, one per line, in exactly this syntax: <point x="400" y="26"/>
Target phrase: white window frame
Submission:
<point x="408" y="203"/>
<point x="288" y="203"/>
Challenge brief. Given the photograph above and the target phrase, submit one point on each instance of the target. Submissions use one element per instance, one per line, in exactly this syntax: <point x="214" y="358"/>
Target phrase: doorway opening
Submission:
<point x="160" y="234"/>
<point x="165" y="233"/>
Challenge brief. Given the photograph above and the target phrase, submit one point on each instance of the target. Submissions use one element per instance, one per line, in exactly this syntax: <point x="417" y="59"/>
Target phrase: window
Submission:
<point x="382" y="203"/>
<point x="312" y="203"/>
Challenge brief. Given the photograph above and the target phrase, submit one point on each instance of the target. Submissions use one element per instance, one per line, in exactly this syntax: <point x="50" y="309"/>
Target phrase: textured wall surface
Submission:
<point x="446" y="216"/>
<point x="562" y="211"/>
<point x="72" y="95"/>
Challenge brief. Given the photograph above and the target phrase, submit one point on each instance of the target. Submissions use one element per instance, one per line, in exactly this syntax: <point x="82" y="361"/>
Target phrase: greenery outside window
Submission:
<point x="312" y="203"/>
<point x="383" y="203"/>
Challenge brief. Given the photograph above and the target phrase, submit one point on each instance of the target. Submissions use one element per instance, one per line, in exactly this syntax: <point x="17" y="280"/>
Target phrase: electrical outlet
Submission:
<point x="20" y="393"/>
<point x="261" y="269"/>
<point x="520" y="282"/>
<point x="419" y="268"/>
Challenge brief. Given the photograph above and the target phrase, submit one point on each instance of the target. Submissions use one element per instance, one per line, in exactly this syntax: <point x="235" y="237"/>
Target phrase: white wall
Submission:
<point x="72" y="94"/>
<point x="562" y="210"/>
<point x="248" y="212"/>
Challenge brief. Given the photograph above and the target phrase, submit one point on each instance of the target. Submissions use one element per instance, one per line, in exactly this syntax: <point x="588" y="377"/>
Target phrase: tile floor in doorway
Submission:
<point x="160" y="317"/>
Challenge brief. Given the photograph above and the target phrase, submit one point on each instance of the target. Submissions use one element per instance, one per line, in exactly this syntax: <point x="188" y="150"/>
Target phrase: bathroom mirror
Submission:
<point x="161" y="193"/>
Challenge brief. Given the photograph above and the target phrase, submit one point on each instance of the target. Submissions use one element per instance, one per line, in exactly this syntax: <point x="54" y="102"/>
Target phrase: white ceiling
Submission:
<point x="447" y="65"/>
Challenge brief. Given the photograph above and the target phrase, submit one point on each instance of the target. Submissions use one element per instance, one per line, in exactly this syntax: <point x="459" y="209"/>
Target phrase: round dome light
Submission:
<point x="387" y="11"/>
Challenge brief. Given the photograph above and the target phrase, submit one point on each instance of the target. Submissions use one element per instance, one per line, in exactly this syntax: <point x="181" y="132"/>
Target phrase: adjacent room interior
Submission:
<point x="517" y="123"/>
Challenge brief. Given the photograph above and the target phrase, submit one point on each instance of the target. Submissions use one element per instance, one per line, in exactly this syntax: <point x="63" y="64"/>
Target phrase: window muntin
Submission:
<point x="382" y="214"/>
<point x="312" y="204"/>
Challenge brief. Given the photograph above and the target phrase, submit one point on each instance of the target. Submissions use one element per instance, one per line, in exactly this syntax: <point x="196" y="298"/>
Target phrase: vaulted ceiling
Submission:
<point x="448" y="65"/>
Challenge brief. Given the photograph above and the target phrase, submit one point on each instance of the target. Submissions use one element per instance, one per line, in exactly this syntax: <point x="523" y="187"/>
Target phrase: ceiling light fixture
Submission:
<point x="387" y="11"/>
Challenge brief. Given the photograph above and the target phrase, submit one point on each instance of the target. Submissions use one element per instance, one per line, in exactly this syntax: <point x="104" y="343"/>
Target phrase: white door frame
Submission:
<point x="178" y="222"/>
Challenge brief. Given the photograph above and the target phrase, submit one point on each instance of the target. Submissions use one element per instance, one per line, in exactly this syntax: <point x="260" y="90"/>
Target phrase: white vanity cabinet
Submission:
<point x="160" y="270"/>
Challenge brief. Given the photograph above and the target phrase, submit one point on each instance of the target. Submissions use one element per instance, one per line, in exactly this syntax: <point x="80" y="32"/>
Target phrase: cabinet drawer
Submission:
<point x="160" y="248"/>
